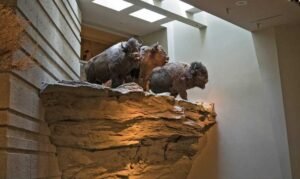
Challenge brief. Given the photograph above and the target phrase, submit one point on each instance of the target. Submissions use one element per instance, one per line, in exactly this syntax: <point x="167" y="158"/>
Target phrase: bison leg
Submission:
<point x="90" y="73"/>
<point x="145" y="82"/>
<point x="180" y="87"/>
<point x="141" y="82"/>
<point x="147" y="88"/>
<point x="174" y="94"/>
<point x="117" y="81"/>
<point x="183" y="94"/>
<point x="91" y="79"/>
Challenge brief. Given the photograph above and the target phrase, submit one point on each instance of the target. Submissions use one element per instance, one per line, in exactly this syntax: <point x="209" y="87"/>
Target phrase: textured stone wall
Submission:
<point x="123" y="133"/>
<point x="53" y="37"/>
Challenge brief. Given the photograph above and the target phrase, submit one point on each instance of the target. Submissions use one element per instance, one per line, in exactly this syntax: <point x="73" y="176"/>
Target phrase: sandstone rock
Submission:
<point x="123" y="132"/>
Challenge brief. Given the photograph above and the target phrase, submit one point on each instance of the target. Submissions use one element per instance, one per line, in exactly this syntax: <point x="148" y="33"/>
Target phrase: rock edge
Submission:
<point x="124" y="132"/>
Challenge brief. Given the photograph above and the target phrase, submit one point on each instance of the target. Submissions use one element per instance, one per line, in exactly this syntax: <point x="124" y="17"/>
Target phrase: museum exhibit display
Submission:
<point x="149" y="89"/>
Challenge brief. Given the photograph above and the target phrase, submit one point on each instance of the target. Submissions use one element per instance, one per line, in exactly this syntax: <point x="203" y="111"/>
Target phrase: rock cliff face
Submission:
<point x="123" y="133"/>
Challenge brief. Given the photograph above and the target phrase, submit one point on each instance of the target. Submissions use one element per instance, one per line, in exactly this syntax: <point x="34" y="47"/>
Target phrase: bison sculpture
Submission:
<point x="114" y="64"/>
<point x="176" y="78"/>
<point x="152" y="57"/>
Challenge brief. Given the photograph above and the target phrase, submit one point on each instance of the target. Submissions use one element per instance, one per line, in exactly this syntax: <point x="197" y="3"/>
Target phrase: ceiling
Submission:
<point x="117" y="22"/>
<point x="257" y="14"/>
<point x="102" y="37"/>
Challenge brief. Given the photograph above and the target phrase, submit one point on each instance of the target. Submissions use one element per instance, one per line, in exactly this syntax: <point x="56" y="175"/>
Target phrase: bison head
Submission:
<point x="158" y="55"/>
<point x="144" y="50"/>
<point x="132" y="49"/>
<point x="199" y="74"/>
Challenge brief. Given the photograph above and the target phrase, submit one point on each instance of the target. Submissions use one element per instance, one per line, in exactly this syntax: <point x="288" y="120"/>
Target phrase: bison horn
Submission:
<point x="124" y="46"/>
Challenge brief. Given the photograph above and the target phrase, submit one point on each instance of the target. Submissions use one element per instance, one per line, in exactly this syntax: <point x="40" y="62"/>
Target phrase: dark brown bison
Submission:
<point x="114" y="63"/>
<point x="176" y="78"/>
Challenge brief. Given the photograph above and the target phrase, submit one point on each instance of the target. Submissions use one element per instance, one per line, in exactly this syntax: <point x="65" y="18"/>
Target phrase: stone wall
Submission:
<point x="54" y="37"/>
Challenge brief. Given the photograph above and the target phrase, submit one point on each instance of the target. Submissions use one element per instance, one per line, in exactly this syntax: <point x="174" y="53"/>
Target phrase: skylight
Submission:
<point x="116" y="5"/>
<point x="147" y="15"/>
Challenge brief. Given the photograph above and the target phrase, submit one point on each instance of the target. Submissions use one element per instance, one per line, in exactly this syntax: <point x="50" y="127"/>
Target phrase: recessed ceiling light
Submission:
<point x="117" y="5"/>
<point x="184" y="6"/>
<point x="147" y="15"/>
<point x="241" y="3"/>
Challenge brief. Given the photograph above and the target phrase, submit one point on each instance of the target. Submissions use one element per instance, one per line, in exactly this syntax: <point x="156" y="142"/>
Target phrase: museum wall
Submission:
<point x="95" y="40"/>
<point x="267" y="56"/>
<point x="243" y="143"/>
<point x="53" y="39"/>
<point x="159" y="36"/>
<point x="288" y="45"/>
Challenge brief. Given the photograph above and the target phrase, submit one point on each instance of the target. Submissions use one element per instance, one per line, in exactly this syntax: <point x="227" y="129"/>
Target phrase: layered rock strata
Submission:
<point x="124" y="132"/>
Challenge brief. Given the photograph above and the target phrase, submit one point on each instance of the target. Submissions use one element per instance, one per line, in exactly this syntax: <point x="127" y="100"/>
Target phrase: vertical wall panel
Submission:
<point x="44" y="24"/>
<point x="53" y="39"/>
<point x="4" y="91"/>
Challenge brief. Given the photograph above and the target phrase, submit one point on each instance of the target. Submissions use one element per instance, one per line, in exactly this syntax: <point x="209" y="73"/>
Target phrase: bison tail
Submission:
<point x="90" y="72"/>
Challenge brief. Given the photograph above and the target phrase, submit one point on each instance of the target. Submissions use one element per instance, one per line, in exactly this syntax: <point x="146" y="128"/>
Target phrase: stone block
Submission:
<point x="62" y="25"/>
<point x="44" y="166"/>
<point x="47" y="28"/>
<point x="3" y="164"/>
<point x="75" y="7"/>
<point x="18" y="165"/>
<point x="24" y="98"/>
<point x="4" y="90"/>
<point x="37" y="74"/>
<point x="39" y="166"/>
<point x="74" y="26"/>
<point x="71" y="11"/>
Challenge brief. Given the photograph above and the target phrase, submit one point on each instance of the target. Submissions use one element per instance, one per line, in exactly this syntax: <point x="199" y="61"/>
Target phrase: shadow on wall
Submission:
<point x="202" y="35"/>
<point x="208" y="159"/>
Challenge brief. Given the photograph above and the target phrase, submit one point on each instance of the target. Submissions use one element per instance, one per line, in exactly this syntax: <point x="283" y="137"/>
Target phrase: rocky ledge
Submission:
<point x="101" y="132"/>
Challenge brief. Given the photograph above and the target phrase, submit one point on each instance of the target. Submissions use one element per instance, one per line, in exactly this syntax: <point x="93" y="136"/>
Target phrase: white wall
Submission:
<point x="288" y="45"/>
<point x="159" y="36"/>
<point x="243" y="144"/>
<point x="267" y="56"/>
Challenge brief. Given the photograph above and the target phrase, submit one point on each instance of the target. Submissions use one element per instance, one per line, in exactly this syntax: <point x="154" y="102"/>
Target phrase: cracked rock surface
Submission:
<point x="124" y="132"/>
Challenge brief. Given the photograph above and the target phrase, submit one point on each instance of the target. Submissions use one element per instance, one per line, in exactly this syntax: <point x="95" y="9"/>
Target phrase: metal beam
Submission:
<point x="193" y="10"/>
<point x="171" y="15"/>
